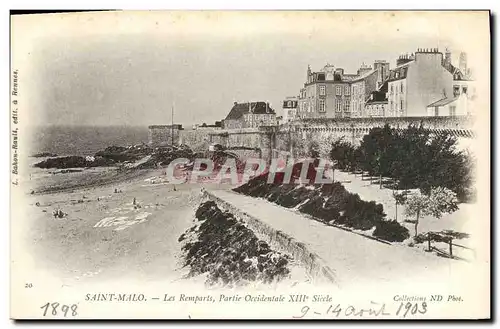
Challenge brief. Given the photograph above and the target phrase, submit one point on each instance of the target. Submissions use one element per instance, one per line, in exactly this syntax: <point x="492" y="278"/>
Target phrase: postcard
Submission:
<point x="291" y="165"/>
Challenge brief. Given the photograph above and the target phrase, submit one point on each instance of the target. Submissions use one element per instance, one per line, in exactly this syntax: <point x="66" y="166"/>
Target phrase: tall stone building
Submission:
<point x="326" y="94"/>
<point x="332" y="93"/>
<point x="416" y="82"/>
<point x="361" y="87"/>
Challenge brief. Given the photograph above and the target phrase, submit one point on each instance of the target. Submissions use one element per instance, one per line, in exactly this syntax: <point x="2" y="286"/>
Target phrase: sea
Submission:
<point x="84" y="140"/>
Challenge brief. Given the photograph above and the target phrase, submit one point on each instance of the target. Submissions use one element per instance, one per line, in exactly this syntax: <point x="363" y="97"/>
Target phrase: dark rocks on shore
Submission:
<point x="229" y="252"/>
<point x="73" y="162"/>
<point x="116" y="155"/>
<point x="44" y="155"/>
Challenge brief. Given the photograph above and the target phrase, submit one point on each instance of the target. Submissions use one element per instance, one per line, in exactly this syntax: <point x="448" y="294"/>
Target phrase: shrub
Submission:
<point x="391" y="231"/>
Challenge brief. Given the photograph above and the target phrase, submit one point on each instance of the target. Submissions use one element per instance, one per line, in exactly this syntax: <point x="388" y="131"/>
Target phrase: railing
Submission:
<point x="440" y="237"/>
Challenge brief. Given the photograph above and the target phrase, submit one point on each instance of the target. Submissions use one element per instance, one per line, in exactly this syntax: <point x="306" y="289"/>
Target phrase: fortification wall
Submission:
<point x="295" y="138"/>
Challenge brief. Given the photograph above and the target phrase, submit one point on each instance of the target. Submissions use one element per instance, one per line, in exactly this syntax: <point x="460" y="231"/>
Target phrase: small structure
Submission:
<point x="163" y="135"/>
<point x="289" y="109"/>
<point x="449" y="106"/>
<point x="376" y="105"/>
<point x="250" y="115"/>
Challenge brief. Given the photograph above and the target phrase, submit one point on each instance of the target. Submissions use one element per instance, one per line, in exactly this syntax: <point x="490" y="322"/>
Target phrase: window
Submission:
<point x="453" y="110"/>
<point x="347" y="90"/>
<point x="289" y="104"/>
<point x="464" y="90"/>
<point x="401" y="105"/>
<point x="338" y="90"/>
<point x="322" y="90"/>
<point x="347" y="105"/>
<point x="456" y="91"/>
<point x="392" y="89"/>
<point x="436" y="111"/>
<point x="321" y="105"/>
<point x="338" y="105"/>
<point x="402" y="87"/>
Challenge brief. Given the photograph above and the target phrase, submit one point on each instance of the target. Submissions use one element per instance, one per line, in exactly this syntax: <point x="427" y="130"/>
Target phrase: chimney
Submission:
<point x="235" y="103"/>
<point x="462" y="65"/>
<point x="404" y="58"/>
<point x="267" y="107"/>
<point x="447" y="58"/>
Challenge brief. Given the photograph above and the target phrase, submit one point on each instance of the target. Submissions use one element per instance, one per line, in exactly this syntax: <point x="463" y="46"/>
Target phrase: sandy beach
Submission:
<point x="105" y="235"/>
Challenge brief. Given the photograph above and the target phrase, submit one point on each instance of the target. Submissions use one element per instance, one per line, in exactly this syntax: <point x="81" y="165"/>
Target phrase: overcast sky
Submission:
<point x="130" y="70"/>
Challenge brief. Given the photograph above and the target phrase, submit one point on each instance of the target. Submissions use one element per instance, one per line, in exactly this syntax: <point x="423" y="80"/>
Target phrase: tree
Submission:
<point x="440" y="200"/>
<point x="400" y="198"/>
<point x="377" y="149"/>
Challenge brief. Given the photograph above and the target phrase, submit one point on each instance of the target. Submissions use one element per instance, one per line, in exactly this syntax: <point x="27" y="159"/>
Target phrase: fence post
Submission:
<point x="451" y="249"/>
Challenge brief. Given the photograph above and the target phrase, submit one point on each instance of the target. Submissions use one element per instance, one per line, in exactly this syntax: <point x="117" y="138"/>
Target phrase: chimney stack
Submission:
<point x="447" y="58"/>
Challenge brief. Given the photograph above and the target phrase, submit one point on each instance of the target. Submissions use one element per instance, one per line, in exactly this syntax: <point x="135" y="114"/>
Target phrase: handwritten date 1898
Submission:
<point x="374" y="310"/>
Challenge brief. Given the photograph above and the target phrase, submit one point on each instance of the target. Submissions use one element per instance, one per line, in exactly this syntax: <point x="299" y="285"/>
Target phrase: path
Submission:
<point x="354" y="258"/>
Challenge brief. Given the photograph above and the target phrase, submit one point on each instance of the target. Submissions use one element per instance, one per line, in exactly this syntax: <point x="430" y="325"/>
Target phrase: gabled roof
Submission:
<point x="458" y="75"/>
<point x="363" y="76"/>
<point x="443" y="102"/>
<point x="399" y="72"/>
<point x="239" y="109"/>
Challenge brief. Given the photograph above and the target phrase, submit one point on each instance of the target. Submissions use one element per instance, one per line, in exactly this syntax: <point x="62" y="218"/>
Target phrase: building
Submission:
<point x="331" y="93"/>
<point x="376" y="105"/>
<point x="161" y="135"/>
<point x="418" y="80"/>
<point x="451" y="106"/>
<point x="216" y="126"/>
<point x="290" y="109"/>
<point x="383" y="70"/>
<point x="362" y="86"/>
<point x="326" y="94"/>
<point x="250" y="115"/>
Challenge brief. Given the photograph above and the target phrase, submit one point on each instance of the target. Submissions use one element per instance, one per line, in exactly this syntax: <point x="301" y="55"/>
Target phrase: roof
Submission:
<point x="176" y="126"/>
<point x="363" y="76"/>
<point x="379" y="95"/>
<point x="399" y="72"/>
<point x="443" y="102"/>
<point x="239" y="109"/>
<point x="377" y="102"/>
